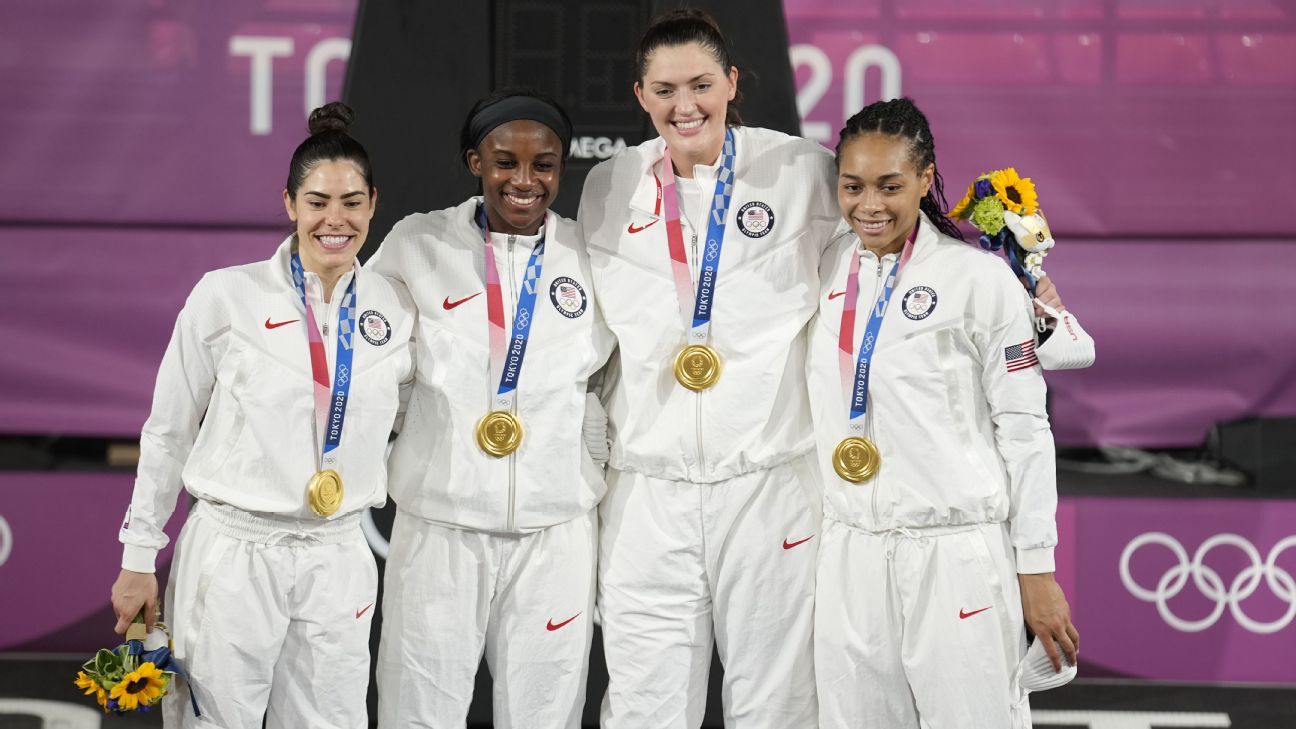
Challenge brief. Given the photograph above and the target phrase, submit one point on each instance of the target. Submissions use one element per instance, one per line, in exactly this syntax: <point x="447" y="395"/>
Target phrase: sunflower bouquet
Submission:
<point x="1005" y="208"/>
<point x="135" y="675"/>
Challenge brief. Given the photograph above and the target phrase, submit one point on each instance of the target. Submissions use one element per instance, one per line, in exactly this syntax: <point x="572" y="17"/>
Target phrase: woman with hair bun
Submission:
<point x="936" y="453"/>
<point x="273" y="406"/>
<point x="705" y="243"/>
<point x="497" y="469"/>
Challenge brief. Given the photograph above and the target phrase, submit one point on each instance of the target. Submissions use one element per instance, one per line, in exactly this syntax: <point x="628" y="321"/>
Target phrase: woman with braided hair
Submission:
<point x="937" y="457"/>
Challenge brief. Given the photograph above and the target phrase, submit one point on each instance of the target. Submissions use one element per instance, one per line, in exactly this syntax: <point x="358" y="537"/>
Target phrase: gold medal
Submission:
<point x="325" y="492"/>
<point x="697" y="367"/>
<point x="856" y="459"/>
<point x="499" y="433"/>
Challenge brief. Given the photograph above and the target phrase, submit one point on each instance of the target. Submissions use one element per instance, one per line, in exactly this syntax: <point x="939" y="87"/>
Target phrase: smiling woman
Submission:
<point x="273" y="558"/>
<point x="496" y="471"/>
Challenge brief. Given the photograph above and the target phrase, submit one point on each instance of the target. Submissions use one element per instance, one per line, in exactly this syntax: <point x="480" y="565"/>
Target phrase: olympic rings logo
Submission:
<point x="1208" y="582"/>
<point x="6" y="541"/>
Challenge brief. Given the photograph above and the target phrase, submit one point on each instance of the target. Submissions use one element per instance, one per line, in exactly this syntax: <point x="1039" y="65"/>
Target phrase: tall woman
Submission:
<point x="937" y="547"/>
<point x="705" y="244"/>
<point x="273" y="406"/>
<point x="493" y="545"/>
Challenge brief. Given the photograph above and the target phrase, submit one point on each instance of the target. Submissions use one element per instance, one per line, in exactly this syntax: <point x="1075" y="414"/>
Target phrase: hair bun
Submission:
<point x="332" y="117"/>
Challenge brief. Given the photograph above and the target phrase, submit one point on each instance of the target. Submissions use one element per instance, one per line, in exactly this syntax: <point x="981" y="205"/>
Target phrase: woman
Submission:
<point x="273" y="405"/>
<point x="937" y="547"/>
<point x="705" y="244"/>
<point x="493" y="544"/>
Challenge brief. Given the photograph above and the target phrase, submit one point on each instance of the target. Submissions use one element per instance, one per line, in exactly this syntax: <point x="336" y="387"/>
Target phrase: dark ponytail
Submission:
<point x="680" y="28"/>
<point x="901" y="118"/>
<point x="328" y="140"/>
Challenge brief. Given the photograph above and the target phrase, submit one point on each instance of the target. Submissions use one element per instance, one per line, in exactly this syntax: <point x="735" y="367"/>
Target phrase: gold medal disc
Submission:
<point x="325" y="492"/>
<point x="856" y="459"/>
<point x="697" y="367"/>
<point x="499" y="433"/>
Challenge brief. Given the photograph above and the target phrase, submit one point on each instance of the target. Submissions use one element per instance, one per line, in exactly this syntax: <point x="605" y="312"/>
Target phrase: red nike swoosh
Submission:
<point x="789" y="545"/>
<point x="363" y="610"/>
<point x="554" y="626"/>
<point x="278" y="324"/>
<point x="632" y="228"/>
<point x="965" y="616"/>
<point x="448" y="304"/>
<point x="835" y="294"/>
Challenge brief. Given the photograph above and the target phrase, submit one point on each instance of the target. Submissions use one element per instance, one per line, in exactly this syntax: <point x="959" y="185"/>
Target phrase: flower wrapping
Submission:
<point x="135" y="675"/>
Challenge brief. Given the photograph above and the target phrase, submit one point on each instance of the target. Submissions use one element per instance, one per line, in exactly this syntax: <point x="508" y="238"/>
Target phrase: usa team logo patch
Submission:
<point x="568" y="297"/>
<point x="374" y="328"/>
<point x="918" y="303"/>
<point x="755" y="219"/>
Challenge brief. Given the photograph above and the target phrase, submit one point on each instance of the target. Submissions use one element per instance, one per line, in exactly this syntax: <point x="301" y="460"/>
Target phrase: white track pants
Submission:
<point x="526" y="600"/>
<point x="271" y="619"/>
<point x="918" y="628"/>
<point x="680" y="562"/>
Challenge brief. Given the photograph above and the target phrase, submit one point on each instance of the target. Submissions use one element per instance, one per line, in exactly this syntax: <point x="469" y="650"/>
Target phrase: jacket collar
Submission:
<point x="282" y="263"/>
<point x="647" y="197"/>
<point x="465" y="217"/>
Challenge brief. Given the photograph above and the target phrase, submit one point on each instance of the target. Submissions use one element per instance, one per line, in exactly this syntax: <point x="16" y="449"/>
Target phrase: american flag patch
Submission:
<point x="1021" y="356"/>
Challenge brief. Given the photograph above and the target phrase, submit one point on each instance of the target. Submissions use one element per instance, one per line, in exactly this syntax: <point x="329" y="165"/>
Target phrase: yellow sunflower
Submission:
<point x="91" y="686"/>
<point x="1016" y="193"/>
<point x="144" y="685"/>
<point x="960" y="210"/>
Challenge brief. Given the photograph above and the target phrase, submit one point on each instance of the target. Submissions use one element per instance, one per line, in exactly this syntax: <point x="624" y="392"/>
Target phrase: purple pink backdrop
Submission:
<point x="145" y="143"/>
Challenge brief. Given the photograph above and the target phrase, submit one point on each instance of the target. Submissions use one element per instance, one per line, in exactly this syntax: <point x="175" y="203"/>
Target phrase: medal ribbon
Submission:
<point x="330" y="399"/>
<point x="855" y="370"/>
<point x="506" y="358"/>
<point x="699" y="330"/>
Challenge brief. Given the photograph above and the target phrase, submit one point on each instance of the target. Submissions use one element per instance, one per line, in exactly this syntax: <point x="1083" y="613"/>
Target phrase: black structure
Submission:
<point x="416" y="68"/>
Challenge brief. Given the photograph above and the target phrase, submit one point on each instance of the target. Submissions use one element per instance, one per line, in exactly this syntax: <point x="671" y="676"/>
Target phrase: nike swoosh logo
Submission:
<point x="276" y="325"/>
<point x="363" y="610"/>
<point x="789" y="545"/>
<point x="448" y="304"/>
<point x="965" y="615"/>
<point x="632" y="228"/>
<point x="552" y="626"/>
<point x="835" y="294"/>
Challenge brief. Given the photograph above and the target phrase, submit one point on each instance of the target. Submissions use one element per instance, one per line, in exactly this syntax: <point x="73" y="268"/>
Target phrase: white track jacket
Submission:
<point x="437" y="470"/>
<point x="233" y="409"/>
<point x="956" y="402"/>
<point x="782" y="212"/>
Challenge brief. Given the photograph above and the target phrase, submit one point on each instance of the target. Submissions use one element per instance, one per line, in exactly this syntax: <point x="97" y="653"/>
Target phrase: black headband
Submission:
<point x="513" y="108"/>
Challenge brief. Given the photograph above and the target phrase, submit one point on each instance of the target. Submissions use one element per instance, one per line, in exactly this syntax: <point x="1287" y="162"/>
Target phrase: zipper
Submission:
<point x="512" y="491"/>
<point x="697" y="412"/>
<point x="877" y="284"/>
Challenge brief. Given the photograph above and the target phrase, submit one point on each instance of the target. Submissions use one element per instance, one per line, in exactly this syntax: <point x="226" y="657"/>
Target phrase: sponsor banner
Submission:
<point x="59" y="556"/>
<point x="1185" y="589"/>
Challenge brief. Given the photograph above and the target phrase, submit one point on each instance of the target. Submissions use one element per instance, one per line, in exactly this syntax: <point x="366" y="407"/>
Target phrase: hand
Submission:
<point x="1046" y="292"/>
<point x="1049" y="617"/>
<point x="132" y="591"/>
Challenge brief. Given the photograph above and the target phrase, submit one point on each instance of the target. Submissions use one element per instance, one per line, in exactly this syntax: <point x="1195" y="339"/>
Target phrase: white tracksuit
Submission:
<point x="269" y="603"/>
<point x="918" y="613"/>
<point x="713" y="499"/>
<point x="487" y="553"/>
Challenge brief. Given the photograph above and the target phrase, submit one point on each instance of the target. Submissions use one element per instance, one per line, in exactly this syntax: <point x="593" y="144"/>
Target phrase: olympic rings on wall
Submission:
<point x="1211" y="585"/>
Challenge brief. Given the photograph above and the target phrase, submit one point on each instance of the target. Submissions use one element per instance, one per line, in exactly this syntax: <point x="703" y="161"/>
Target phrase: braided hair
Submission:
<point x="901" y="118"/>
